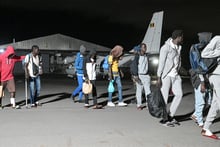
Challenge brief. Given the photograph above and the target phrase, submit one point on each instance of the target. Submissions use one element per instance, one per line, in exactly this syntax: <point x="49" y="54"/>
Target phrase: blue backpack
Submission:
<point x="105" y="64"/>
<point x="201" y="65"/>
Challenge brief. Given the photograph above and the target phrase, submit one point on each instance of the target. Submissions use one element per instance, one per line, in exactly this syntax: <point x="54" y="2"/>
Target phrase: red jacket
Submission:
<point x="7" y="64"/>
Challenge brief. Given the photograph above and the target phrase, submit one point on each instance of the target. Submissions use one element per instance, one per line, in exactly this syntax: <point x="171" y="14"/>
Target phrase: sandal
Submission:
<point x="140" y="107"/>
<point x="193" y="117"/>
<point x="97" y="107"/>
<point x="210" y="135"/>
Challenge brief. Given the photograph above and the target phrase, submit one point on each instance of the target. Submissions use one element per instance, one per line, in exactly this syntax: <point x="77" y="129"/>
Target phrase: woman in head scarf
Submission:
<point x="113" y="60"/>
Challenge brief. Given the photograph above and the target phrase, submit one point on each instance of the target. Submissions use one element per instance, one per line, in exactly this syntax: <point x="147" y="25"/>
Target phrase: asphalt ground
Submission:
<point x="60" y="122"/>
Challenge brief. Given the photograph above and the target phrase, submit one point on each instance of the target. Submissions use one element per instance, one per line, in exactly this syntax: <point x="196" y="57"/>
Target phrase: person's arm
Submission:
<point x="18" y="58"/>
<point x="202" y="82"/>
<point x="84" y="69"/>
<point x="26" y="63"/>
<point x="212" y="49"/>
<point x="162" y="60"/>
<point x="77" y="60"/>
<point x="110" y="61"/>
<point x="135" y="65"/>
<point x="40" y="65"/>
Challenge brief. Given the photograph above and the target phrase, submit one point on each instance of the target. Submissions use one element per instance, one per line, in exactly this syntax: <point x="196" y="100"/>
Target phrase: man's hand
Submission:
<point x="121" y="74"/>
<point x="137" y="80"/>
<point x="110" y="76"/>
<point x="202" y="87"/>
<point x="26" y="75"/>
<point x="159" y="82"/>
<point x="86" y="79"/>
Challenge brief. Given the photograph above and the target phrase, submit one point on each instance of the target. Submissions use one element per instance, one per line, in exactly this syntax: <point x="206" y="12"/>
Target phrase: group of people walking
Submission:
<point x="168" y="75"/>
<point x="169" y="78"/>
<point x="85" y="64"/>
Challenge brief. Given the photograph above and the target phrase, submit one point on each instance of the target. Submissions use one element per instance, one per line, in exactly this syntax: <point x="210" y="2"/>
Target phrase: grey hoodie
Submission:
<point x="213" y="50"/>
<point x="166" y="59"/>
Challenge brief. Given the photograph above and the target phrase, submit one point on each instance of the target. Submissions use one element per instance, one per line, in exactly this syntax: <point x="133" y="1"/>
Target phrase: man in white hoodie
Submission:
<point x="168" y="74"/>
<point x="212" y="50"/>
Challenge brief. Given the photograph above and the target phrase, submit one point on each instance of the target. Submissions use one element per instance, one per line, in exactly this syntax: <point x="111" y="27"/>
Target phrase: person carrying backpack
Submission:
<point x="79" y="72"/>
<point x="198" y="80"/>
<point x="114" y="74"/>
<point x="33" y="70"/>
<point x="212" y="50"/>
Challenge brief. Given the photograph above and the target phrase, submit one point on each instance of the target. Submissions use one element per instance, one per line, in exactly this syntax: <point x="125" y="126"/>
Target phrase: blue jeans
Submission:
<point x="199" y="105"/>
<point x="117" y="80"/>
<point x="78" y="89"/>
<point x="35" y="86"/>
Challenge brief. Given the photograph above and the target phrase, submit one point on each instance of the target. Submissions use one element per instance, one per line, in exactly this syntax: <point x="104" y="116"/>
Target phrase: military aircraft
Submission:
<point x="152" y="39"/>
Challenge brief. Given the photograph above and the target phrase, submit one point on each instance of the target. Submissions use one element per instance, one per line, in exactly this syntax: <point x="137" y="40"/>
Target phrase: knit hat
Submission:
<point x="82" y="49"/>
<point x="117" y="51"/>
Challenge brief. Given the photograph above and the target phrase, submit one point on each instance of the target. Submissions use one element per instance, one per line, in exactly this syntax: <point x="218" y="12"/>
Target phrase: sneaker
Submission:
<point x="122" y="104"/>
<point x="38" y="104"/>
<point x="86" y="105"/>
<point x="97" y="107"/>
<point x="167" y="123"/>
<point x="80" y="101"/>
<point x="33" y="106"/>
<point x="140" y="108"/>
<point x="17" y="107"/>
<point x="175" y="122"/>
<point x="110" y="104"/>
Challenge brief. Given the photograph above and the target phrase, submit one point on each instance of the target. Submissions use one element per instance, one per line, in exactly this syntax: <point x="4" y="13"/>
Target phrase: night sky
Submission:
<point x="106" y="22"/>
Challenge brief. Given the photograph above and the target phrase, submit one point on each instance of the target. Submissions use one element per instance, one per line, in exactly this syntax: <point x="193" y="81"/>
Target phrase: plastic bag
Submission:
<point x="111" y="87"/>
<point x="156" y="104"/>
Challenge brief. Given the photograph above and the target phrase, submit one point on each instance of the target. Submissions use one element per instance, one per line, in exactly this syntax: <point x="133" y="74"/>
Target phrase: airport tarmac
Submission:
<point x="60" y="122"/>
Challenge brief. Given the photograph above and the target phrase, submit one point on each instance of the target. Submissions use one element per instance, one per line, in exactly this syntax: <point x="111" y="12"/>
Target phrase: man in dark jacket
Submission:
<point x="198" y="81"/>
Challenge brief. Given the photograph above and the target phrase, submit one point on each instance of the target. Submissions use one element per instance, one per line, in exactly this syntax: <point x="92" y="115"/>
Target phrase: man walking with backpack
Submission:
<point x="33" y="70"/>
<point x="198" y="79"/>
<point x="79" y="72"/>
<point x="168" y="77"/>
<point x="212" y="50"/>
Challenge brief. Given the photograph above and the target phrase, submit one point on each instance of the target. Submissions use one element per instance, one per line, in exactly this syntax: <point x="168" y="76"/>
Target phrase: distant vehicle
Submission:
<point x="152" y="39"/>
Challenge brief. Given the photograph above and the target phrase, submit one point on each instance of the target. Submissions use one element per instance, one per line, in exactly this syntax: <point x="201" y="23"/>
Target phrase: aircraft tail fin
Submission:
<point x="152" y="37"/>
